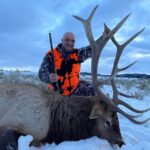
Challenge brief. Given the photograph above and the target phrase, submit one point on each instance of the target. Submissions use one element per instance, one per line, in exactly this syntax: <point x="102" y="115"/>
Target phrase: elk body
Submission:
<point x="29" y="109"/>
<point x="50" y="117"/>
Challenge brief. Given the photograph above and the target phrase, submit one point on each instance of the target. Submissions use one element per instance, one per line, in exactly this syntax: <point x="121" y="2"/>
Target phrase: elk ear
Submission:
<point x="96" y="112"/>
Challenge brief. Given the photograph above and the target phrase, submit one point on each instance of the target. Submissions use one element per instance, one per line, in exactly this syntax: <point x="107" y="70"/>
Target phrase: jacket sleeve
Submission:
<point x="45" y="69"/>
<point x="84" y="53"/>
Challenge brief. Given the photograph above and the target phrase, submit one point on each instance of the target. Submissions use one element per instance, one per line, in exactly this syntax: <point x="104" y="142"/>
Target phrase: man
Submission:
<point x="67" y="63"/>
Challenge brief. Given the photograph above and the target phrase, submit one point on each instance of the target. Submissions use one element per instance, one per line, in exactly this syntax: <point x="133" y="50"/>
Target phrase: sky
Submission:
<point x="24" y="28"/>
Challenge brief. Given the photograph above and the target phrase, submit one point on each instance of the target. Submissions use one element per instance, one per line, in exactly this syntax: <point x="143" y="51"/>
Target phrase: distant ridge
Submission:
<point x="134" y="75"/>
<point x="128" y="75"/>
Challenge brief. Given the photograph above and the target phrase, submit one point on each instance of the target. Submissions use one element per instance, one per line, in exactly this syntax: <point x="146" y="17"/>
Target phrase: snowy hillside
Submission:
<point x="136" y="137"/>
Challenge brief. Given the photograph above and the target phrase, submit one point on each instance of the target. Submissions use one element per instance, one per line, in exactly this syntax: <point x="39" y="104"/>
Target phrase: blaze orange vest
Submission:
<point x="68" y="71"/>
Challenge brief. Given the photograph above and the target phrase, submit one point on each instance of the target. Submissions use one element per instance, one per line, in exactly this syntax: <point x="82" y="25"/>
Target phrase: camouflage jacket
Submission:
<point x="45" y="68"/>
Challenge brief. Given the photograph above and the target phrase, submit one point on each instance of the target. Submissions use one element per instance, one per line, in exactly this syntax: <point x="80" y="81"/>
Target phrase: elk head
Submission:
<point x="107" y="125"/>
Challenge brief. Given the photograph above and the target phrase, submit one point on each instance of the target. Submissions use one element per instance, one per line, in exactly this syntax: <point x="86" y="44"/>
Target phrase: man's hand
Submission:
<point x="53" y="77"/>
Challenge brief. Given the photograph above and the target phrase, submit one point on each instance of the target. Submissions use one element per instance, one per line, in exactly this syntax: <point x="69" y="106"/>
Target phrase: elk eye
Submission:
<point x="108" y="123"/>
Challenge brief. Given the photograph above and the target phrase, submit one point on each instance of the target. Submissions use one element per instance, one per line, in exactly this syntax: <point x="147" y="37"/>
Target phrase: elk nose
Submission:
<point x="120" y="142"/>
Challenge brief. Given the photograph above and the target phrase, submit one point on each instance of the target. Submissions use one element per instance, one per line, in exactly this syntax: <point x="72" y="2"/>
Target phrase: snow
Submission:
<point x="136" y="137"/>
<point x="93" y="143"/>
<point x="9" y="72"/>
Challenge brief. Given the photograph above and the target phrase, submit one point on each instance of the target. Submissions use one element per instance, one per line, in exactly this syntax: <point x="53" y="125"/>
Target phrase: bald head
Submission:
<point x="68" y="34"/>
<point x="68" y="40"/>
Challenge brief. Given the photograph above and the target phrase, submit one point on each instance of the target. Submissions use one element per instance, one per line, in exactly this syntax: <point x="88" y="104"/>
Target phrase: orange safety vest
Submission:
<point x="67" y="71"/>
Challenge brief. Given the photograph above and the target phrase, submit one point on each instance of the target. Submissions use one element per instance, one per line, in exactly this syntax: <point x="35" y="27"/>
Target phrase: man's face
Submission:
<point x="68" y="41"/>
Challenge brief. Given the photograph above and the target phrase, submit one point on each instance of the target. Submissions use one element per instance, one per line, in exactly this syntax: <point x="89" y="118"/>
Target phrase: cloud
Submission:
<point x="139" y="55"/>
<point x="25" y="26"/>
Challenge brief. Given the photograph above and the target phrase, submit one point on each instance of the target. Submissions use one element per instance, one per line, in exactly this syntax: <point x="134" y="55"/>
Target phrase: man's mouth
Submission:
<point x="68" y="46"/>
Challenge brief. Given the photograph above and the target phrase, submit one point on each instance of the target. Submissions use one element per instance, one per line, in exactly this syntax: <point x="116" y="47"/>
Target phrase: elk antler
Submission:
<point x="97" y="47"/>
<point x="116" y="70"/>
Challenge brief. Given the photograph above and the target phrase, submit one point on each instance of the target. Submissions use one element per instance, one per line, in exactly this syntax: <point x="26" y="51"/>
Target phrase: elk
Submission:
<point x="49" y="117"/>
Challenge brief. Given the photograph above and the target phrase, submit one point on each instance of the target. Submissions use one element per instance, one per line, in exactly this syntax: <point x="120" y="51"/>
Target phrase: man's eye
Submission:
<point x="67" y="40"/>
<point x="72" y="41"/>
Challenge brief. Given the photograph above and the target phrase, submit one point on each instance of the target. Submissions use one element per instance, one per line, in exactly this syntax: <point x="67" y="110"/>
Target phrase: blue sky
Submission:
<point x="24" y="28"/>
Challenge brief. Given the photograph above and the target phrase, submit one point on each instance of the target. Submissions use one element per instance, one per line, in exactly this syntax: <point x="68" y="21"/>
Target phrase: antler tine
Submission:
<point x="125" y="68"/>
<point x="115" y="108"/>
<point x="113" y="31"/>
<point x="108" y="34"/>
<point x="139" y="122"/>
<point x="132" y="38"/>
<point x="119" y="25"/>
<point x="79" y="18"/>
<point x="120" y="49"/>
<point x="90" y="16"/>
<point x="130" y="117"/>
<point x="87" y="26"/>
<point x="92" y="13"/>
<point x="120" y="102"/>
<point x="116" y="93"/>
<point x="126" y="95"/>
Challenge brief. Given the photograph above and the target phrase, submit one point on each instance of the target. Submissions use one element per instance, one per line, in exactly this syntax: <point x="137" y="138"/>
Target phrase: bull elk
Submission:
<point x="49" y="117"/>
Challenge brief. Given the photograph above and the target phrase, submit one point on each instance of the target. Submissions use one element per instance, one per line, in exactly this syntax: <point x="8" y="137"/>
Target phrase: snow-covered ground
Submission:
<point x="136" y="137"/>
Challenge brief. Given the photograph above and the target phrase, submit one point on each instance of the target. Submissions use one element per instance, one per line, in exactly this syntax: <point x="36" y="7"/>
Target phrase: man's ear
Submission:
<point x="96" y="112"/>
